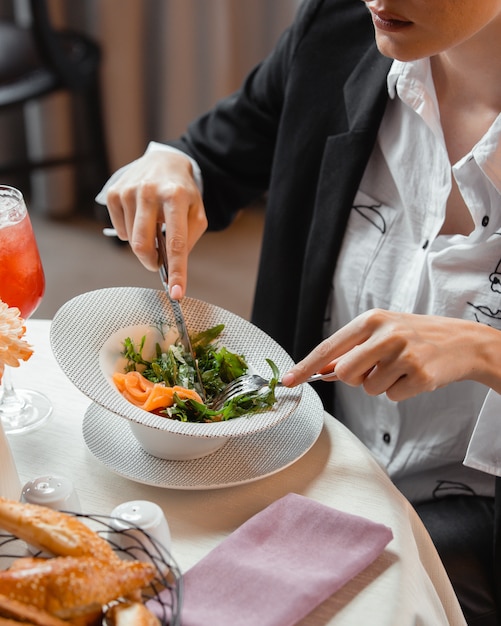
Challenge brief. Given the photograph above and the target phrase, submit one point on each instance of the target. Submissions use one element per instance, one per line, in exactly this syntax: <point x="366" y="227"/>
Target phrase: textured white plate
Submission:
<point x="84" y="324"/>
<point x="240" y="460"/>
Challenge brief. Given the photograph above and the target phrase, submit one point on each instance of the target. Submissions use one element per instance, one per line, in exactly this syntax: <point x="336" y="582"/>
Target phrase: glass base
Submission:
<point x="30" y="410"/>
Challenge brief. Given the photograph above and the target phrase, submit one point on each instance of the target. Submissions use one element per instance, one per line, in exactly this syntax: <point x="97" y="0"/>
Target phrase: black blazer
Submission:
<point x="300" y="131"/>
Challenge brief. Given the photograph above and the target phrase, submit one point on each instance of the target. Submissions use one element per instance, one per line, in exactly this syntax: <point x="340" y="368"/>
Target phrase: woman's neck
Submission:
<point x="468" y="85"/>
<point x="470" y="73"/>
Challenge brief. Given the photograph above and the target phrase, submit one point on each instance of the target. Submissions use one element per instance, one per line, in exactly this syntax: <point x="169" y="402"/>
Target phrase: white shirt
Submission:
<point x="410" y="168"/>
<point x="394" y="258"/>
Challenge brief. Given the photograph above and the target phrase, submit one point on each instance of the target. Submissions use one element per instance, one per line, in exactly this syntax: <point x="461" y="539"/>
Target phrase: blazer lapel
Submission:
<point x="344" y="159"/>
<point x="364" y="88"/>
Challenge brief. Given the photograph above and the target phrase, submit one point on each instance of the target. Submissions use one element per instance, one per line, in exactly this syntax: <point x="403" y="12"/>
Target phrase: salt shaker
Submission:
<point x="129" y="519"/>
<point x="53" y="491"/>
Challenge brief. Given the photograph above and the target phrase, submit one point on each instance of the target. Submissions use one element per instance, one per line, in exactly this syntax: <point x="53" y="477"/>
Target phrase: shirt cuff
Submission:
<point x="484" y="449"/>
<point x="153" y="146"/>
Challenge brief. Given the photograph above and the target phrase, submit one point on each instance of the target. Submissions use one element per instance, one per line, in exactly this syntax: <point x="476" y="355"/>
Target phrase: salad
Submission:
<point x="167" y="384"/>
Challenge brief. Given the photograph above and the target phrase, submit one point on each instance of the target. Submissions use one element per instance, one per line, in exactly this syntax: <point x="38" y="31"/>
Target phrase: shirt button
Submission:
<point x="485" y="220"/>
<point x="387" y="437"/>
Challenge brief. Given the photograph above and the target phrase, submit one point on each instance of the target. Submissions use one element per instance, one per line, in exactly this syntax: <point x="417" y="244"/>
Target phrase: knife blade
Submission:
<point x="182" y="330"/>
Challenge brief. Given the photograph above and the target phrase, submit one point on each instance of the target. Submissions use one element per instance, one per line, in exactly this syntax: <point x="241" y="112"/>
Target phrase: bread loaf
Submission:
<point x="71" y="586"/>
<point x="13" y="612"/>
<point x="52" y="531"/>
<point x="130" y="614"/>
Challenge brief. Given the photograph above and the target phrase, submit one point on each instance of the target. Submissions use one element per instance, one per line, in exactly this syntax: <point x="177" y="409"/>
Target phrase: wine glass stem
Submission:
<point x="10" y="403"/>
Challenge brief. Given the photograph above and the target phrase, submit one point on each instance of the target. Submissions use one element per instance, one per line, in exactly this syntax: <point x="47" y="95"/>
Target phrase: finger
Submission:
<point x="380" y="379"/>
<point x="375" y="359"/>
<point x="176" y="244"/>
<point x="116" y="213"/>
<point x="328" y="369"/>
<point x="402" y="379"/>
<point x="197" y="221"/>
<point x="320" y="359"/>
<point x="326" y="355"/>
<point x="402" y="389"/>
<point x="184" y="229"/>
<point x="354" y="366"/>
<point x="141" y="224"/>
<point x="408" y="386"/>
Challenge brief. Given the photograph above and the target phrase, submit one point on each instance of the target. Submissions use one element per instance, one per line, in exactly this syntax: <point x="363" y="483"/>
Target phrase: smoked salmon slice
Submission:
<point x="150" y="396"/>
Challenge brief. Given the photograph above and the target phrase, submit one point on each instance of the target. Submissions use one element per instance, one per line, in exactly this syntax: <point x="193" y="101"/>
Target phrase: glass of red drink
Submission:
<point x="22" y="285"/>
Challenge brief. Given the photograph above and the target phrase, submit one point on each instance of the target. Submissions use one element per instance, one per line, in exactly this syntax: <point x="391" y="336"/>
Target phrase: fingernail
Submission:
<point x="288" y="379"/>
<point x="176" y="292"/>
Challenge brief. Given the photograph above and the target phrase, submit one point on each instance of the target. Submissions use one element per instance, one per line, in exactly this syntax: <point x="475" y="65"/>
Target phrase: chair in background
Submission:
<point x="38" y="60"/>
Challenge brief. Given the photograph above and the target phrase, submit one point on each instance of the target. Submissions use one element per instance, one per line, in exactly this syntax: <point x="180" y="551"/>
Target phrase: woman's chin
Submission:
<point x="392" y="49"/>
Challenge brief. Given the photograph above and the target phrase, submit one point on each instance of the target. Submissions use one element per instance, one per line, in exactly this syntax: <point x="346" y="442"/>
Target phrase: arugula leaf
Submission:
<point x="192" y="411"/>
<point x="134" y="357"/>
<point x="206" y="337"/>
<point x="217" y="365"/>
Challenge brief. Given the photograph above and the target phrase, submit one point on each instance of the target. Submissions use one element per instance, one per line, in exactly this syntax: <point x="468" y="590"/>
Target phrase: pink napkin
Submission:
<point x="280" y="564"/>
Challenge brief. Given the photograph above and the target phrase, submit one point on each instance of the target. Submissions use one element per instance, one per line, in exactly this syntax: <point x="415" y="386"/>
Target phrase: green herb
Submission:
<point x="218" y="367"/>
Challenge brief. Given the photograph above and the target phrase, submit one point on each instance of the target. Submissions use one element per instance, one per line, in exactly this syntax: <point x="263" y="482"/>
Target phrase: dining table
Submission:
<point x="406" y="585"/>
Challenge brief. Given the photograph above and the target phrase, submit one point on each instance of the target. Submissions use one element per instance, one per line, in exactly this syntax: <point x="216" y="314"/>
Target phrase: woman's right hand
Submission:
<point x="159" y="187"/>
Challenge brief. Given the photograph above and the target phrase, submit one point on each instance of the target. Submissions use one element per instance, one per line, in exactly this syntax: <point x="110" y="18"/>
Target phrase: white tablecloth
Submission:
<point x="407" y="585"/>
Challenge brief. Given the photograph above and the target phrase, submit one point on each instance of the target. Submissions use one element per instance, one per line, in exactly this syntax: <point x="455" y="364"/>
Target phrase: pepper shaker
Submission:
<point x="131" y="520"/>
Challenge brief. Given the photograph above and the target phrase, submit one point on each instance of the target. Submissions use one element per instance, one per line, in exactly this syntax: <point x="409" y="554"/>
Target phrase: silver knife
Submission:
<point x="184" y="337"/>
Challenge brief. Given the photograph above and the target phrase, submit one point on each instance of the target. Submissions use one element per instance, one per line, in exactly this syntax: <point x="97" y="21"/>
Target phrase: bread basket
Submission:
<point x="164" y="594"/>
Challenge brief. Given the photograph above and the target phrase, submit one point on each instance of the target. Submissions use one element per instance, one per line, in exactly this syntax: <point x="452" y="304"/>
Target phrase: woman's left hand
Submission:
<point x="404" y="354"/>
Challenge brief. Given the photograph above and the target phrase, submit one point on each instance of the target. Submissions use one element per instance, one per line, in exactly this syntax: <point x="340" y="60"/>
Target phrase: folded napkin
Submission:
<point x="280" y="564"/>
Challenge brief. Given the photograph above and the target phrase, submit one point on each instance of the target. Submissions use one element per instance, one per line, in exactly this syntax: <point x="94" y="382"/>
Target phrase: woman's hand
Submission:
<point x="159" y="187"/>
<point x="403" y="354"/>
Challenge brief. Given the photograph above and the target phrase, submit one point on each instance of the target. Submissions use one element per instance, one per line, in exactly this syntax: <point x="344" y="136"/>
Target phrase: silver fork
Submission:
<point x="250" y="383"/>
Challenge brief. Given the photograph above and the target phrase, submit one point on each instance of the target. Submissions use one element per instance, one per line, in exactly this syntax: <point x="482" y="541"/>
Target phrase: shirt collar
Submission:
<point x="409" y="76"/>
<point x="412" y="82"/>
<point x="487" y="153"/>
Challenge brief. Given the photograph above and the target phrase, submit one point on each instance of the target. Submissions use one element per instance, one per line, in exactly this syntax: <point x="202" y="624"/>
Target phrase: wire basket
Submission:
<point x="164" y="594"/>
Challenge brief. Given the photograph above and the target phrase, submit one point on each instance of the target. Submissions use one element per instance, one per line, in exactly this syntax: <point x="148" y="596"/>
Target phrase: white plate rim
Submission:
<point x="75" y="324"/>
<point x="127" y="459"/>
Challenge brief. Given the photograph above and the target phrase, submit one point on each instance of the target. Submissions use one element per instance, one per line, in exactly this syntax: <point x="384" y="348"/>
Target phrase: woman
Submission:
<point x="381" y="163"/>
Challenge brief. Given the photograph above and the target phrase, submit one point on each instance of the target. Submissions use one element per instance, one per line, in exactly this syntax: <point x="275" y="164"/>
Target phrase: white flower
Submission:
<point x="13" y="348"/>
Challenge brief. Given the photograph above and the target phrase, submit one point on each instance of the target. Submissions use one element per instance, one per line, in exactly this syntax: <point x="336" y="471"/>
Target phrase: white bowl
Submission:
<point x="157" y="441"/>
<point x="86" y="337"/>
<point x="173" y="447"/>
